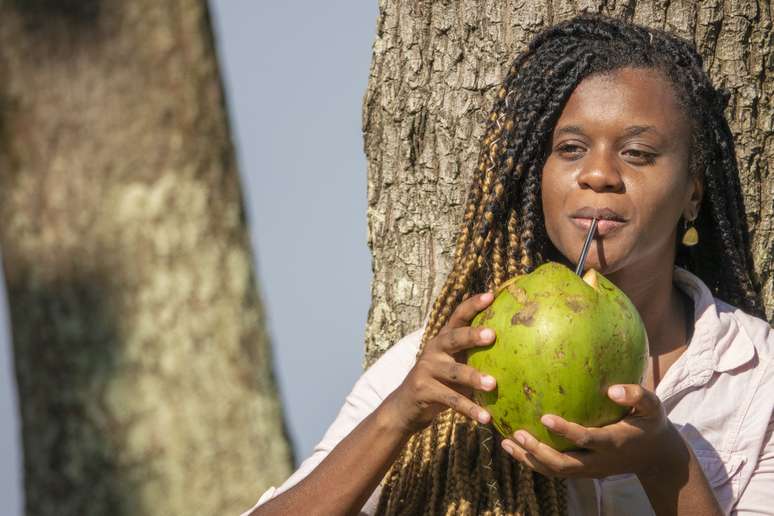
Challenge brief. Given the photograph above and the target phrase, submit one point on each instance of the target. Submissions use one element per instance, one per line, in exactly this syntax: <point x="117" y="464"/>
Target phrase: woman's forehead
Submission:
<point x="622" y="99"/>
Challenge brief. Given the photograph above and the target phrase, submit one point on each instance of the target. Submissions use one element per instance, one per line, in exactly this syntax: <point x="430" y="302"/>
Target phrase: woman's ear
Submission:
<point x="695" y="195"/>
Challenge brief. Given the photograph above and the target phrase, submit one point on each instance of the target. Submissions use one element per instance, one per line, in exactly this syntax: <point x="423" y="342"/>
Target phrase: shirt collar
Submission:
<point x="718" y="342"/>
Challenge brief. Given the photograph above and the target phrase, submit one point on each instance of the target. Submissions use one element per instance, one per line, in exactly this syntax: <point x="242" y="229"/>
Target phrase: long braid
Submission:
<point x="513" y="243"/>
<point x="505" y="474"/>
<point x="561" y="494"/>
<point x="456" y="466"/>
<point x="441" y="465"/>
<point x="725" y="261"/>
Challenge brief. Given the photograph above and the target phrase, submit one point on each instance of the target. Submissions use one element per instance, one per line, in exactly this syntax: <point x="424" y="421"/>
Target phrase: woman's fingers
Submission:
<point x="462" y="374"/>
<point x="584" y="437"/>
<point x="440" y="378"/>
<point x="455" y="340"/>
<point x="644" y="402"/>
<point x="439" y="361"/>
<point x="623" y="446"/>
<point x="453" y="399"/>
<point x="518" y="453"/>
<point x="468" y="309"/>
<point x="542" y="457"/>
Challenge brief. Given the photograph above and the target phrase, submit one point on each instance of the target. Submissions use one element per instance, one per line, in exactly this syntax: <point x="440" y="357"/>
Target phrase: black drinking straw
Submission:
<point x="586" y="245"/>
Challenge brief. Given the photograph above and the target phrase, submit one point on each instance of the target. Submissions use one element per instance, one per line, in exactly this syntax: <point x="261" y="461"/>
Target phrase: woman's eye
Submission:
<point x="641" y="157"/>
<point x="570" y="151"/>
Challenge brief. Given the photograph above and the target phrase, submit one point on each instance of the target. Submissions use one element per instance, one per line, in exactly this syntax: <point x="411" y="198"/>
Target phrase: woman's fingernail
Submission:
<point x="507" y="447"/>
<point x="483" y="416"/>
<point x="487" y="297"/>
<point x="520" y="438"/>
<point x="488" y="381"/>
<point x="487" y="335"/>
<point x="617" y="392"/>
<point x="548" y="421"/>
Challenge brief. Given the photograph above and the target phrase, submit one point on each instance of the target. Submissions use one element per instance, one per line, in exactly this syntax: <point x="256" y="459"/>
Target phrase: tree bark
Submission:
<point x="143" y="367"/>
<point x="434" y="73"/>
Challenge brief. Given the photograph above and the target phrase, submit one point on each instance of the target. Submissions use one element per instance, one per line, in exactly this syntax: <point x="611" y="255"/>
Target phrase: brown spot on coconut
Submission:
<point x="518" y="293"/>
<point x="528" y="391"/>
<point x="576" y="303"/>
<point x="488" y="314"/>
<point x="504" y="427"/>
<point x="526" y="315"/>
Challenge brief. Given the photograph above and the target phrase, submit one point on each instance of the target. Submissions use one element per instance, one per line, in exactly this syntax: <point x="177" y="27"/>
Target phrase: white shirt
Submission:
<point x="719" y="394"/>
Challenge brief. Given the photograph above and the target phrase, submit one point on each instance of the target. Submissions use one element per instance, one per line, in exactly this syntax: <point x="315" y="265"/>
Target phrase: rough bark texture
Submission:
<point x="141" y="358"/>
<point x="433" y="75"/>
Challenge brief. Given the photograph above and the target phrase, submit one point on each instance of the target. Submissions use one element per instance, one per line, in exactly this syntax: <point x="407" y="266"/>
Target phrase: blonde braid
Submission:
<point x="441" y="462"/>
<point x="529" y="491"/>
<point x="561" y="495"/>
<point x="525" y="489"/>
<point x="452" y="291"/>
<point x="474" y="196"/>
<point x="513" y="244"/>
<point x="450" y="495"/>
<point x="505" y="469"/>
<point x="410" y="466"/>
<point x="549" y="490"/>
<point x="429" y="443"/>
<point x="471" y="492"/>
<point x="446" y="495"/>
<point x="416" y="486"/>
<point x="552" y="497"/>
<point x="498" y="261"/>
<point x="486" y="460"/>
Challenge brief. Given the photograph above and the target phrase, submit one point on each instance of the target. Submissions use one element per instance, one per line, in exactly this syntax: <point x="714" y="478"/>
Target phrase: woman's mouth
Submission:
<point x="604" y="226"/>
<point x="608" y="220"/>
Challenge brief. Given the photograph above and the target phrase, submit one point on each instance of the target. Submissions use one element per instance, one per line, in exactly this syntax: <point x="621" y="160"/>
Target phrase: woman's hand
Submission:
<point x="440" y="378"/>
<point x="632" y="445"/>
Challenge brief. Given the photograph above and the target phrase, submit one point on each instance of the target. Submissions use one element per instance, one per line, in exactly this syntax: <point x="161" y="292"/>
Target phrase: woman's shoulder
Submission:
<point x="758" y="331"/>
<point x="731" y="331"/>
<point x="727" y="386"/>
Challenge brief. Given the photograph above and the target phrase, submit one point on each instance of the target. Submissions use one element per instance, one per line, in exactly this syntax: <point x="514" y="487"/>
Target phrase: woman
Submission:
<point x="598" y="118"/>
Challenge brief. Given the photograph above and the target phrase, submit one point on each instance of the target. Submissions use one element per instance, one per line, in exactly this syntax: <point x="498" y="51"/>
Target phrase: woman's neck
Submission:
<point x="660" y="305"/>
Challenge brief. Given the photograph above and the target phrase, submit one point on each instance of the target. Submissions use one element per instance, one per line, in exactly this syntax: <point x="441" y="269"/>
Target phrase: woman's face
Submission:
<point x="620" y="151"/>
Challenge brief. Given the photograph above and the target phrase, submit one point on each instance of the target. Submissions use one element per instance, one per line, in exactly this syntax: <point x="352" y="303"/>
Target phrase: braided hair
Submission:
<point x="455" y="465"/>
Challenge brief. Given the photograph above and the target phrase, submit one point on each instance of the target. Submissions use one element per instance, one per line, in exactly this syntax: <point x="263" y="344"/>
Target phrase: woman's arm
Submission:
<point x="677" y="484"/>
<point x="342" y="483"/>
<point x="345" y="479"/>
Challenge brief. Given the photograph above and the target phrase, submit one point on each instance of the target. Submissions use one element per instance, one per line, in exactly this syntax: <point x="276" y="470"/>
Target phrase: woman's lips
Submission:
<point x="604" y="226"/>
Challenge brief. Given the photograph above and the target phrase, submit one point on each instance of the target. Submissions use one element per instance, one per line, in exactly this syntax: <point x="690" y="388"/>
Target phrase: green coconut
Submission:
<point x="562" y="341"/>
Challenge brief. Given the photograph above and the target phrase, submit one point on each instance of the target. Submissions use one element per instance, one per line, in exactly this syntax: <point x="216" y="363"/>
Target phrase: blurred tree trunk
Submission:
<point x="433" y="75"/>
<point x="141" y="357"/>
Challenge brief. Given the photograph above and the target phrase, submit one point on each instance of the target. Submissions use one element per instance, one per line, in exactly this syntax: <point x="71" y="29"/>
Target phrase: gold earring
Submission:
<point x="691" y="236"/>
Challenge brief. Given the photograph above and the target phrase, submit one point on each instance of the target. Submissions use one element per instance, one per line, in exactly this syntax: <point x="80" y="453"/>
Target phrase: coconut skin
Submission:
<point x="562" y="341"/>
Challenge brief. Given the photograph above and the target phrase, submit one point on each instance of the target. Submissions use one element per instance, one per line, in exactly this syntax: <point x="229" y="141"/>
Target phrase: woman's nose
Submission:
<point x="600" y="173"/>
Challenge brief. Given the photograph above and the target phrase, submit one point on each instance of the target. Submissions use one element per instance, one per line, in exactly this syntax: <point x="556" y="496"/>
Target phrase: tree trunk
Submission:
<point x="433" y="76"/>
<point x="141" y="357"/>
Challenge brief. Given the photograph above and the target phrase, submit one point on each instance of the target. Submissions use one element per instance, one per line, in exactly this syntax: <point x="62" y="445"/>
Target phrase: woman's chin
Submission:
<point x="604" y="256"/>
<point x="595" y="261"/>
